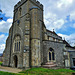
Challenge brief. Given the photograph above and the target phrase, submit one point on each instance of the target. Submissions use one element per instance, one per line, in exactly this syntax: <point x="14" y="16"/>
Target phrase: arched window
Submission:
<point x="15" y="46"/>
<point x="51" y="54"/>
<point x="20" y="10"/>
<point x="17" y="43"/>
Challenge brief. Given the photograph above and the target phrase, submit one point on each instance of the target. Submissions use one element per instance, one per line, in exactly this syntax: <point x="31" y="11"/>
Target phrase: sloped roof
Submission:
<point x="67" y="44"/>
<point x="52" y="32"/>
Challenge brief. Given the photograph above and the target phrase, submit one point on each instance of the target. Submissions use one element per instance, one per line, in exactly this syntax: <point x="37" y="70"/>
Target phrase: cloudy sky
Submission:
<point x="58" y="15"/>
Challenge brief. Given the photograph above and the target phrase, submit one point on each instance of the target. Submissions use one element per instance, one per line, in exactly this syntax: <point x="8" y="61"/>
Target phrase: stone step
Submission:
<point x="49" y="63"/>
<point x="49" y="66"/>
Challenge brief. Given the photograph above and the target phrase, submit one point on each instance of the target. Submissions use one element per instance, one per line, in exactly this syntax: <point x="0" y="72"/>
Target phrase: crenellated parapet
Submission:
<point x="33" y="1"/>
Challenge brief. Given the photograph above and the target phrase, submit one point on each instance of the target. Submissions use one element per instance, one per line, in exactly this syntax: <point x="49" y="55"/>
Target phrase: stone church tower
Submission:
<point x="30" y="44"/>
<point x="24" y="44"/>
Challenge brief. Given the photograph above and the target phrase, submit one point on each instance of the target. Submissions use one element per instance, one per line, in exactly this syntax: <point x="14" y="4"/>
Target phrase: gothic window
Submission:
<point x="17" y="44"/>
<point x="51" y="54"/>
<point x="20" y="11"/>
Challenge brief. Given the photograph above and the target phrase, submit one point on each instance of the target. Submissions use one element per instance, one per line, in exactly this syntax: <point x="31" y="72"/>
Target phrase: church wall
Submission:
<point x="35" y="38"/>
<point x="58" y="49"/>
<point x="70" y="52"/>
<point x="72" y="56"/>
<point x="7" y="54"/>
<point x="41" y="43"/>
<point x="26" y="54"/>
<point x="17" y="31"/>
<point x="40" y="12"/>
<point x="26" y="59"/>
<point x="66" y="57"/>
<point x="20" y="28"/>
<point x="22" y="9"/>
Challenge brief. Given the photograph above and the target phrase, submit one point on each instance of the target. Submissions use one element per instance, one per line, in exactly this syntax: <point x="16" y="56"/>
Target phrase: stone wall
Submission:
<point x="1" y="58"/>
<point x="58" y="50"/>
<point x="72" y="56"/>
<point x="35" y="37"/>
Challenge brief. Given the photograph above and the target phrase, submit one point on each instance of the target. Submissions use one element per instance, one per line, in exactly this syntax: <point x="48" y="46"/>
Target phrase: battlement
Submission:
<point x="23" y="1"/>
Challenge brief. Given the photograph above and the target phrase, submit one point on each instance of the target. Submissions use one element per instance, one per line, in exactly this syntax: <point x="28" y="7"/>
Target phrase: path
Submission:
<point x="8" y="69"/>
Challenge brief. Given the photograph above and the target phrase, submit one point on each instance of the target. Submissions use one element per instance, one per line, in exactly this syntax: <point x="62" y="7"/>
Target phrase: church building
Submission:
<point x="30" y="44"/>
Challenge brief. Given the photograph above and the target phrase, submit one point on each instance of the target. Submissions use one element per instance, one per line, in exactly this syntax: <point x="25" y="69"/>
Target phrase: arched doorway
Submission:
<point x="15" y="61"/>
<point x="51" y="55"/>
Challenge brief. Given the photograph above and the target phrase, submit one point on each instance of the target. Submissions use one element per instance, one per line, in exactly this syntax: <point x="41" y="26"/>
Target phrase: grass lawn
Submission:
<point x="42" y="71"/>
<point x="0" y="63"/>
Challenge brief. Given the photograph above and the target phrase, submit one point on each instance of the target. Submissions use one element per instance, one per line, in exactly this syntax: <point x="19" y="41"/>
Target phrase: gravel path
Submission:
<point x="8" y="69"/>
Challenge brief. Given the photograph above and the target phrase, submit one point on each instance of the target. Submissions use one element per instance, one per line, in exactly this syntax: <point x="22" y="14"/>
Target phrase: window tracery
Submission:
<point x="17" y="44"/>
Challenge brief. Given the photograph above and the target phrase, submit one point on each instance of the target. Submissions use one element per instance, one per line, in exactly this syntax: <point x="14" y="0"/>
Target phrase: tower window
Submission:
<point x="17" y="44"/>
<point x="20" y="11"/>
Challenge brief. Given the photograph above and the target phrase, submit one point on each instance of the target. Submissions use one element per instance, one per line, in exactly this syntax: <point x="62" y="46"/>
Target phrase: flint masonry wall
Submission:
<point x="58" y="50"/>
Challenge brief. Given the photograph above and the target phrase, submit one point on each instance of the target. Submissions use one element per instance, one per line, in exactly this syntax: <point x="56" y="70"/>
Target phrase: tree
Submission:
<point x="1" y="18"/>
<point x="0" y="10"/>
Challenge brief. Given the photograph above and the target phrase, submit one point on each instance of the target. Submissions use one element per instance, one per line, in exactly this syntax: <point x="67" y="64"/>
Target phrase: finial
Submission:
<point x="64" y="38"/>
<point x="53" y="30"/>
